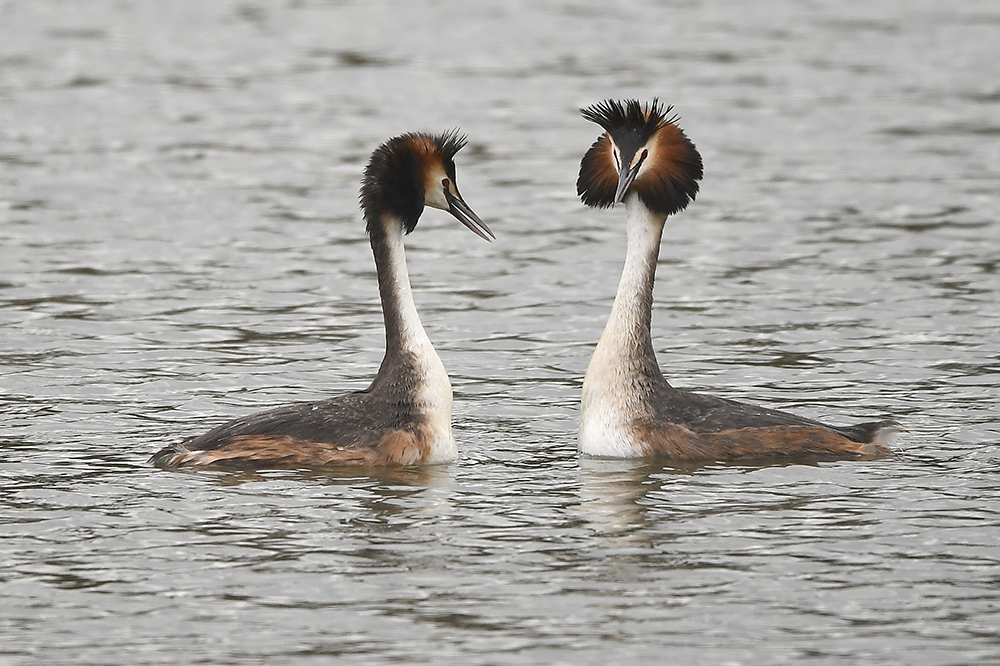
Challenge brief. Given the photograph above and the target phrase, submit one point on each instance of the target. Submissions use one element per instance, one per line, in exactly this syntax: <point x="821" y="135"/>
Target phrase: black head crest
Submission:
<point x="393" y="184"/>
<point x="629" y="118"/>
<point x="667" y="183"/>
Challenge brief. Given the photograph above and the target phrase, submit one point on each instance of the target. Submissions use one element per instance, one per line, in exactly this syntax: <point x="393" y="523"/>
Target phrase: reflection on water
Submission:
<point x="611" y="493"/>
<point x="180" y="244"/>
<point x="434" y="476"/>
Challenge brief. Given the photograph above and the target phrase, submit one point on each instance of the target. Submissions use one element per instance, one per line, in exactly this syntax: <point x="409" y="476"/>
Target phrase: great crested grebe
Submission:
<point x="645" y="161"/>
<point x="404" y="416"/>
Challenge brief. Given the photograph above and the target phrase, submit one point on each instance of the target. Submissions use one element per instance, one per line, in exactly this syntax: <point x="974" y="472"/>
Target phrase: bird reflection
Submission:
<point x="612" y="494"/>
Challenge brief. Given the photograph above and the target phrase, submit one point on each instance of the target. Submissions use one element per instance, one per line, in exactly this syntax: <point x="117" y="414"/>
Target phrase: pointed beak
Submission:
<point x="468" y="217"/>
<point x="627" y="176"/>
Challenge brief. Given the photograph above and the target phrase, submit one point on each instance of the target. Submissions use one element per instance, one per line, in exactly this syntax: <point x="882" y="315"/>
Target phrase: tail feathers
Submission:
<point x="876" y="437"/>
<point x="165" y="456"/>
<point x="887" y="433"/>
<point x="874" y="432"/>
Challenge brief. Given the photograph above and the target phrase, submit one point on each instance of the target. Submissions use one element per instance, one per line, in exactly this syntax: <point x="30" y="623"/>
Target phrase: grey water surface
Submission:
<point x="180" y="244"/>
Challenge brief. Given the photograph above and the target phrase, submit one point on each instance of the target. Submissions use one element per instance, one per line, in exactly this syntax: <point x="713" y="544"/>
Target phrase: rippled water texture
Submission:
<point x="180" y="243"/>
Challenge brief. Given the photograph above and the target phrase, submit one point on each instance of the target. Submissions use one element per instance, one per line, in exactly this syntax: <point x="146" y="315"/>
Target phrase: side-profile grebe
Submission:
<point x="404" y="417"/>
<point x="645" y="161"/>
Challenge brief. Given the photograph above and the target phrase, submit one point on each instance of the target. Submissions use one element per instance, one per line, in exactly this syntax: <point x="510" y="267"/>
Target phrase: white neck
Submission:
<point x="624" y="355"/>
<point x="408" y="342"/>
<point x="627" y="332"/>
<point x="401" y="318"/>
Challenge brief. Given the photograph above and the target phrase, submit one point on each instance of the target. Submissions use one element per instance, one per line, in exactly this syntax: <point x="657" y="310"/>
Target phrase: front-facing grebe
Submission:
<point x="404" y="417"/>
<point x="645" y="161"/>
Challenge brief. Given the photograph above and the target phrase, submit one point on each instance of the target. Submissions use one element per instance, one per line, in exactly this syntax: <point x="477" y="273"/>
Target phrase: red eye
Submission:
<point x="444" y="183"/>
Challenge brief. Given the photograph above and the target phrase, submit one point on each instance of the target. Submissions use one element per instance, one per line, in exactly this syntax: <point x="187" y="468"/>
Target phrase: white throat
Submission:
<point x="412" y="335"/>
<point x="433" y="393"/>
<point x="610" y="400"/>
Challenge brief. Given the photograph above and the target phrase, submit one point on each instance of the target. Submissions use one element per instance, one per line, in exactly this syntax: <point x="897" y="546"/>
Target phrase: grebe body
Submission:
<point x="629" y="409"/>
<point x="404" y="416"/>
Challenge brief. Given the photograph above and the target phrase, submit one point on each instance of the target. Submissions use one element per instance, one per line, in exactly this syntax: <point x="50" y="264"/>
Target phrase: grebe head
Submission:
<point x="411" y="171"/>
<point x="643" y="151"/>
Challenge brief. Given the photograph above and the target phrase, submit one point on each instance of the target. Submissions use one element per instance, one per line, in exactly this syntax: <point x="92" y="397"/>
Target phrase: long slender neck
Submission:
<point x="411" y="384"/>
<point x="403" y="330"/>
<point x="627" y="335"/>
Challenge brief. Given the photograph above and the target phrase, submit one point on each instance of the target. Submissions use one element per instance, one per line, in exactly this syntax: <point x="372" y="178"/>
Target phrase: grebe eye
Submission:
<point x="445" y="183"/>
